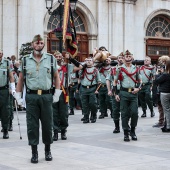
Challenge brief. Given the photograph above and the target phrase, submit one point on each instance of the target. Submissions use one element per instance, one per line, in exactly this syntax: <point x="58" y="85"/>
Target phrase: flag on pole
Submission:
<point x="69" y="31"/>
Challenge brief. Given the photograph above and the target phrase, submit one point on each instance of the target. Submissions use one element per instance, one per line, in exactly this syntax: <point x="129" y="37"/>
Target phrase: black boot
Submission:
<point x="34" y="158"/>
<point x="101" y="116"/>
<point x="126" y="136"/>
<point x="55" y="136"/>
<point x="48" y="156"/>
<point x="10" y="128"/>
<point x="132" y="134"/>
<point x="144" y="113"/>
<point x="117" y="128"/>
<point x="71" y="112"/>
<point x="63" y="134"/>
<point x="5" y="134"/>
<point x="82" y="119"/>
<point x="152" y="113"/>
<point x="86" y="121"/>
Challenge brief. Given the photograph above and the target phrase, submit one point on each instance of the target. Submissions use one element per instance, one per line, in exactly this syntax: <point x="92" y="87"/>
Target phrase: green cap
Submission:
<point x="37" y="38"/>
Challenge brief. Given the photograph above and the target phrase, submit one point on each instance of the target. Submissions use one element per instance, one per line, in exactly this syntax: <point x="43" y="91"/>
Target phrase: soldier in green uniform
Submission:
<point x="90" y="78"/>
<point x="147" y="72"/>
<point x="37" y="71"/>
<point x="73" y="86"/>
<point x="6" y="75"/>
<point x="105" y="101"/>
<point x="131" y="83"/>
<point x="116" y="104"/>
<point x="60" y="108"/>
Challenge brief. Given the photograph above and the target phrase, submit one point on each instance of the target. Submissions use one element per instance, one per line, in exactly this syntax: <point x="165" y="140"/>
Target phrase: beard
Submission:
<point x="38" y="52"/>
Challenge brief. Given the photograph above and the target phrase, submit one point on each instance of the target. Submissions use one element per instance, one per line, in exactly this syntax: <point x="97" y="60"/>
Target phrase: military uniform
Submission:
<point x="145" y="93"/>
<point x="39" y="97"/>
<point x="89" y="79"/>
<point x="72" y="93"/>
<point x="5" y="69"/>
<point x="128" y="100"/>
<point x="105" y="101"/>
<point x="60" y="109"/>
<point x="116" y="105"/>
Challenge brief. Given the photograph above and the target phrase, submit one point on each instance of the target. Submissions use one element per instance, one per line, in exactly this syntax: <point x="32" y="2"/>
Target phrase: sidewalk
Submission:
<point x="90" y="146"/>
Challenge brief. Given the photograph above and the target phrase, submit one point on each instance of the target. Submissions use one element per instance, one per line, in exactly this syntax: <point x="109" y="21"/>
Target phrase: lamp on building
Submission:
<point x="59" y="12"/>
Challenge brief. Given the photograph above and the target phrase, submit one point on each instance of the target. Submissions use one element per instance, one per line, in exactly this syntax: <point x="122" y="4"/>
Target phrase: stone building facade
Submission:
<point x="141" y="26"/>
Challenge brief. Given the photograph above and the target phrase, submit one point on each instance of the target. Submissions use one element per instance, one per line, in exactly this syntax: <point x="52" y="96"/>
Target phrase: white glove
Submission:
<point x="13" y="88"/>
<point x="17" y="96"/>
<point x="56" y="95"/>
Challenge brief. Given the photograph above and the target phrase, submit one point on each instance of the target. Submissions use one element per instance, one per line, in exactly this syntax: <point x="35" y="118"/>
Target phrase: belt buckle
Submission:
<point x="72" y="83"/>
<point x="39" y="92"/>
<point x="103" y="85"/>
<point x="143" y="84"/>
<point x="129" y="90"/>
<point x="87" y="87"/>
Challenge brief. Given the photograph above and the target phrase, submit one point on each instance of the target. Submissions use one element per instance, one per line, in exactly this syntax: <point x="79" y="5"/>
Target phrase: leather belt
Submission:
<point x="39" y="92"/>
<point x="88" y="87"/>
<point x="3" y="87"/>
<point x="126" y="89"/>
<point x="103" y="85"/>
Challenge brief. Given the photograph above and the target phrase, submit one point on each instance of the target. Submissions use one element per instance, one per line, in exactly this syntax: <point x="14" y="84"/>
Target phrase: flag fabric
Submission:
<point x="69" y="36"/>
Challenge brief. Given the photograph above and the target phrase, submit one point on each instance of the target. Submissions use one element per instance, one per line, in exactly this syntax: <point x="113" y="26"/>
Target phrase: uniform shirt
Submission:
<point x="3" y="71"/>
<point x="104" y="71"/>
<point x="86" y="81"/>
<point x="110" y="77"/>
<point x="127" y="82"/>
<point x="63" y="74"/>
<point x="149" y="73"/>
<point x="38" y="75"/>
<point x="73" y="78"/>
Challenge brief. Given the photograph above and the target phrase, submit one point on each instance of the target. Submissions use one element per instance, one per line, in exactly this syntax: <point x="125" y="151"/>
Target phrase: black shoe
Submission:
<point x="126" y="136"/>
<point x="165" y="130"/>
<point x="132" y="134"/>
<point x="5" y="134"/>
<point x="82" y="119"/>
<point x="86" y="121"/>
<point x="71" y="112"/>
<point x="101" y="116"/>
<point x="55" y="136"/>
<point x="34" y="158"/>
<point x="48" y="156"/>
<point x="152" y="113"/>
<point x="63" y="135"/>
<point x="116" y="130"/>
<point x="143" y="115"/>
<point x="93" y="120"/>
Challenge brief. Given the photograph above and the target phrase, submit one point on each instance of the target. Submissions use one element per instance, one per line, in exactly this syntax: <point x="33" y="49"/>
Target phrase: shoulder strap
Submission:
<point x="52" y="72"/>
<point x="7" y="73"/>
<point x="24" y="70"/>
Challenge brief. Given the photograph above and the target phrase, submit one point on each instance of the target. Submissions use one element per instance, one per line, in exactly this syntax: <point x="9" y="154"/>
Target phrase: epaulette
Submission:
<point x="49" y="54"/>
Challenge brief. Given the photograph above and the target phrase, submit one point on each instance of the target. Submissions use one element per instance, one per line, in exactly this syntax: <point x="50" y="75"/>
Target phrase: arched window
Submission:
<point x="54" y="22"/>
<point x="159" y="27"/>
<point x="158" y="37"/>
<point x="82" y="38"/>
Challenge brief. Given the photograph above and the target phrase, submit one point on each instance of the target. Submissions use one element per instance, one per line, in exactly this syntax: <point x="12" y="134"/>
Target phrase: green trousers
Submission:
<point x="128" y="109"/>
<point x="10" y="107"/>
<point x="60" y="114"/>
<point x="145" y="98"/>
<point x="105" y="101"/>
<point x="116" y="110"/>
<point x="74" y="95"/>
<point x="39" y="107"/>
<point x="89" y="102"/>
<point x="4" y="111"/>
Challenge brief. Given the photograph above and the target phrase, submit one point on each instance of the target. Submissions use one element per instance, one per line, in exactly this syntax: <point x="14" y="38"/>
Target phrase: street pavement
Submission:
<point x="91" y="146"/>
